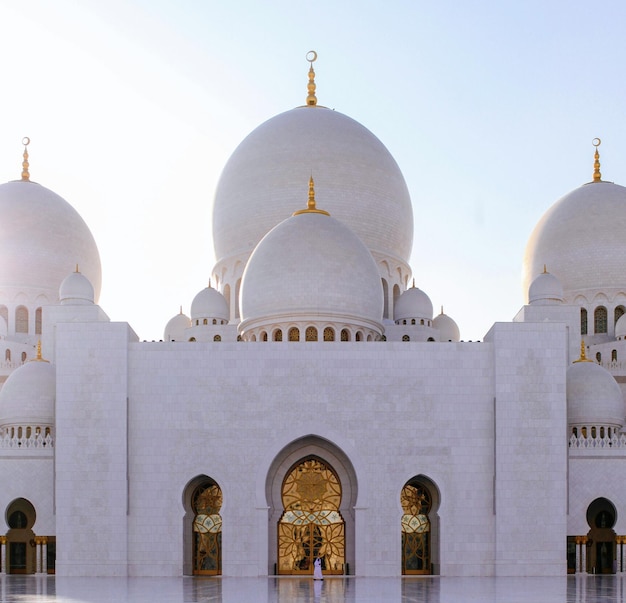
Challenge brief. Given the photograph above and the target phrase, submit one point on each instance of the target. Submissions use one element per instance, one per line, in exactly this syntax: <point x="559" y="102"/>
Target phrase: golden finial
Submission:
<point x="545" y="270"/>
<point x="39" y="357"/>
<point x="25" y="173"/>
<point x="597" y="176"/>
<point x="311" y="99"/>
<point x="311" y="209"/>
<point x="442" y="309"/>
<point x="77" y="270"/>
<point x="181" y="310"/>
<point x="413" y="283"/>
<point x="582" y="358"/>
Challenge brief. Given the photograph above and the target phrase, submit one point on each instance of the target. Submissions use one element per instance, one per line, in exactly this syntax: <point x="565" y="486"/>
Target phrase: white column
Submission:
<point x="578" y="555"/>
<point x="38" y="555"/>
<point x="583" y="555"/>
<point x="3" y="555"/>
<point x="618" y="554"/>
<point x="44" y="555"/>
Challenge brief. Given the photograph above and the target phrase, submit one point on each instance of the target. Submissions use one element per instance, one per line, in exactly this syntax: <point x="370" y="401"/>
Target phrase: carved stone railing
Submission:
<point x="581" y="442"/>
<point x="33" y="442"/>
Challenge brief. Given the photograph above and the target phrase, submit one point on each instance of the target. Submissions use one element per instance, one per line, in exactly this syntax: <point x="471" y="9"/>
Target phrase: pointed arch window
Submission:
<point x="618" y="313"/>
<point x="21" y="319"/>
<point x="38" y="314"/>
<point x="600" y="320"/>
<point x="583" y="321"/>
<point x="7" y="355"/>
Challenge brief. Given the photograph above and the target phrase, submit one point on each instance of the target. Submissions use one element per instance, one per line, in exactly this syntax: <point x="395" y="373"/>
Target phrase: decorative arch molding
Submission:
<point x="284" y="460"/>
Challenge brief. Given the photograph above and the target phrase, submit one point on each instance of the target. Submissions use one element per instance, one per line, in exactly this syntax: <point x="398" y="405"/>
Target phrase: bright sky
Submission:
<point x="489" y="107"/>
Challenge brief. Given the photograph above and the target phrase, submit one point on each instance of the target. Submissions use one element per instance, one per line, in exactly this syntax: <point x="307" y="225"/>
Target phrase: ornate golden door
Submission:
<point x="207" y="526"/>
<point x="311" y="525"/>
<point x="416" y="503"/>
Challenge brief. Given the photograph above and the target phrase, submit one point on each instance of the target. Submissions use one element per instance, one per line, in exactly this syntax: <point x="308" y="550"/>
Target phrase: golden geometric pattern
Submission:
<point x="207" y="526"/>
<point x="311" y="486"/>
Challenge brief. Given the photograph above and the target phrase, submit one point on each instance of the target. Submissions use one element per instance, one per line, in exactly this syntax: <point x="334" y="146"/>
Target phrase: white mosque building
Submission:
<point x="311" y="406"/>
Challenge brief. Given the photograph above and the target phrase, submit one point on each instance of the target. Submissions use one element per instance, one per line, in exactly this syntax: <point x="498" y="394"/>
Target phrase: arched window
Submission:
<point x="359" y="336"/>
<point x="263" y="335"/>
<point x="599" y="320"/>
<point x="412" y="321"/>
<point x="406" y="338"/>
<point x="385" y="299"/>
<point x="7" y="355"/>
<point x="345" y="335"/>
<point x="192" y="339"/>
<point x="329" y="334"/>
<point x="278" y="335"/>
<point x="618" y="312"/>
<point x="311" y="334"/>
<point x="214" y="321"/>
<point x="205" y="321"/>
<point x="24" y="356"/>
<point x="583" y="321"/>
<point x="38" y="321"/>
<point x="599" y="357"/>
<point x="206" y="503"/>
<point x="294" y="334"/>
<point x="430" y="339"/>
<point x="21" y="319"/>
<point x="614" y="356"/>
<point x="217" y="338"/>
<point x="4" y="312"/>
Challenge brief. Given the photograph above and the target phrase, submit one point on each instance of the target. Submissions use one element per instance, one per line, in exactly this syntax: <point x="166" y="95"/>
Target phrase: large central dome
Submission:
<point x="357" y="177"/>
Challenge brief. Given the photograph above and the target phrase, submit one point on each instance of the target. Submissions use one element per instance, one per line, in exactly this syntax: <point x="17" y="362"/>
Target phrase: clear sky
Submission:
<point x="489" y="107"/>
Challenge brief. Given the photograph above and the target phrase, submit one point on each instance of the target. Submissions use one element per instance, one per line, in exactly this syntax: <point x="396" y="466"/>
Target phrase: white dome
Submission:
<point x="42" y="238"/>
<point x="593" y="396"/>
<point x="413" y="303"/>
<point x="209" y="303"/>
<point x="545" y="289"/>
<point x="76" y="289"/>
<point x="175" y="327"/>
<point x="358" y="179"/>
<point x="312" y="265"/>
<point x="620" y="326"/>
<point x="447" y="327"/>
<point x="581" y="239"/>
<point x="27" y="397"/>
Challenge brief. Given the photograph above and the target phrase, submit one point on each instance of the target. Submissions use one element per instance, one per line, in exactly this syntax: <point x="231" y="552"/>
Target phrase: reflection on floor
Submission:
<point x="570" y="589"/>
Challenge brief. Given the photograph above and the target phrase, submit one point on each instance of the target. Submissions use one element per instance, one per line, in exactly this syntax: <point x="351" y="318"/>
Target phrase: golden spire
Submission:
<point x="311" y="209"/>
<point x="77" y="270"/>
<point x="181" y="310"/>
<point x="545" y="270"/>
<point x="311" y="99"/>
<point x="582" y="358"/>
<point x="25" y="173"/>
<point x="597" y="176"/>
<point x="39" y="357"/>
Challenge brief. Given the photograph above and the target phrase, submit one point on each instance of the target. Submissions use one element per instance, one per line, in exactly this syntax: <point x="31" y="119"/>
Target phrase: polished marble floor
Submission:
<point x="571" y="589"/>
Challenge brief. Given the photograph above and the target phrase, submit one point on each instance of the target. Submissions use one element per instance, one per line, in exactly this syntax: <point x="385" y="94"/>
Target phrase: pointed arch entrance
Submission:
<point x="20" y="538"/>
<point x="420" y="526"/>
<point x="203" y="527"/>
<point x="601" y="517"/>
<point x="311" y="491"/>
<point x="311" y="526"/>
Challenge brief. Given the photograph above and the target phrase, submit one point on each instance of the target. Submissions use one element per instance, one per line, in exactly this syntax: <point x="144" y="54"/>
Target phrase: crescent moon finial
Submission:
<point x="25" y="172"/>
<point x="311" y="99"/>
<point x="597" y="176"/>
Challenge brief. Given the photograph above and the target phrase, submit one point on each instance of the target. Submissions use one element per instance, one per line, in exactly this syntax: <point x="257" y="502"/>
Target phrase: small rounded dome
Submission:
<point x="27" y="397"/>
<point x="581" y="239"/>
<point x="593" y="396"/>
<point x="209" y="303"/>
<point x="175" y="327"/>
<point x="413" y="303"/>
<point x="76" y="289"/>
<point x="620" y="327"/>
<point x="447" y="327"/>
<point x="312" y="265"/>
<point x="545" y="290"/>
<point x="264" y="175"/>
<point x="42" y="239"/>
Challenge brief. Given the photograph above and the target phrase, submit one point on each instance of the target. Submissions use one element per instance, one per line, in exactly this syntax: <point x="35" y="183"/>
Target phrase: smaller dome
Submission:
<point x="620" y="327"/>
<point x="209" y="303"/>
<point x="593" y="396"/>
<point x="413" y="303"/>
<point x="27" y="397"/>
<point x="76" y="289"/>
<point x="176" y="326"/>
<point x="448" y="329"/>
<point x="545" y="290"/>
